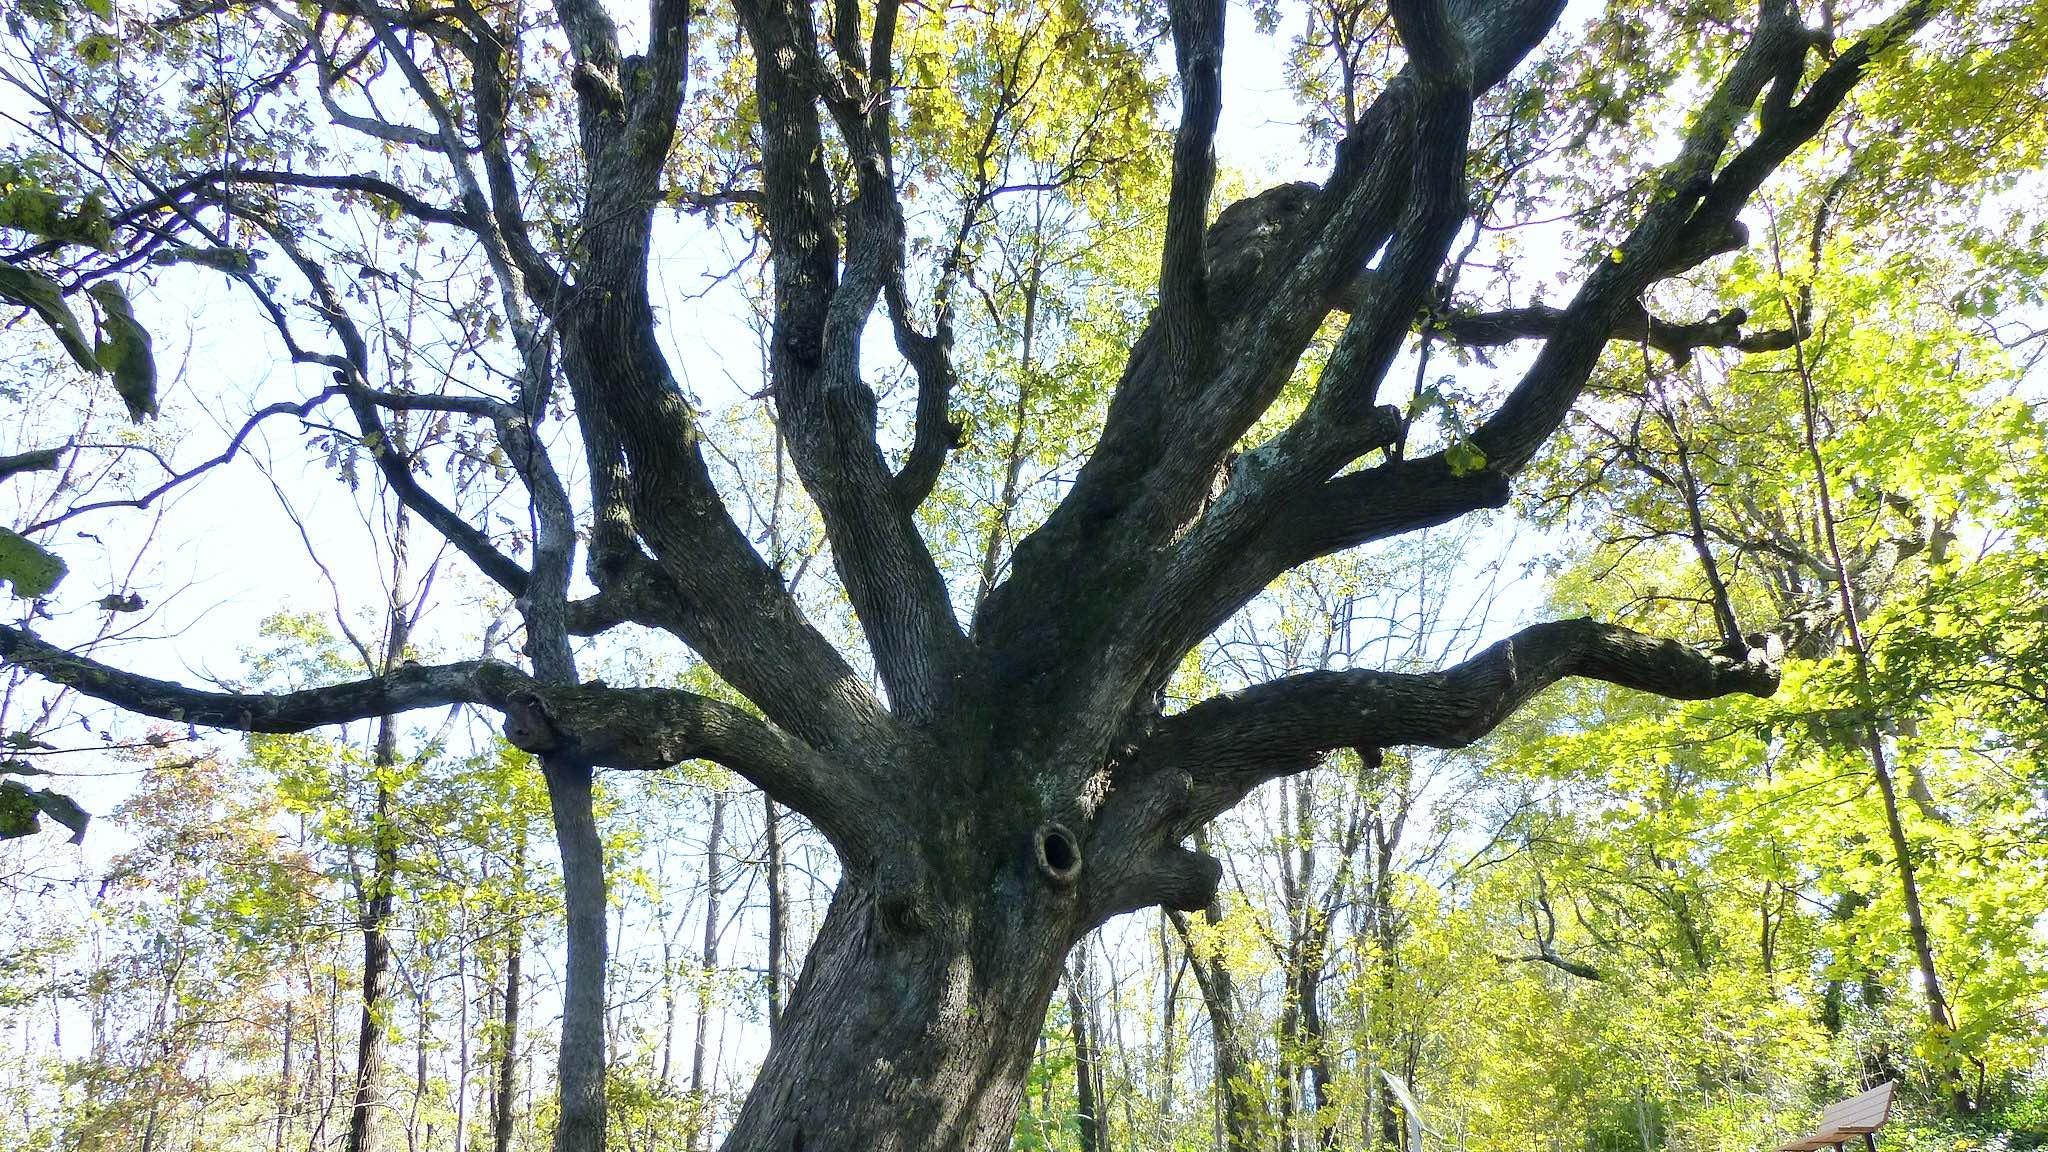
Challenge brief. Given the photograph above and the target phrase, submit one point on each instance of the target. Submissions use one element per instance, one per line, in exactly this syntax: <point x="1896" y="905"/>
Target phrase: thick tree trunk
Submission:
<point x="899" y="1039"/>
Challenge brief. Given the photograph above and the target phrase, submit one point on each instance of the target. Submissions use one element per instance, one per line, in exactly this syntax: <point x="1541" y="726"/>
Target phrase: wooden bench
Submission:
<point x="1845" y="1121"/>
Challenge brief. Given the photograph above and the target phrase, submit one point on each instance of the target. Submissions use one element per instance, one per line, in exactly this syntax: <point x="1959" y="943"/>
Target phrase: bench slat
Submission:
<point x="1845" y="1120"/>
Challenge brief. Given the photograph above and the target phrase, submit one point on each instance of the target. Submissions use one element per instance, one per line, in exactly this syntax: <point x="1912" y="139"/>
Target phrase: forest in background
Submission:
<point x="1615" y="923"/>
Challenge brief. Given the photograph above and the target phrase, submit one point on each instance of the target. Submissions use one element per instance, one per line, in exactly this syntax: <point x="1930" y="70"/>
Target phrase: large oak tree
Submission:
<point x="997" y="778"/>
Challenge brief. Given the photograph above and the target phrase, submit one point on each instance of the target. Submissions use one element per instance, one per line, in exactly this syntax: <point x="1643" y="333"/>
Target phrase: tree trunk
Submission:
<point x="1087" y="1105"/>
<point x="778" y="912"/>
<point x="1940" y="1017"/>
<point x="284" y="1079"/>
<point x="570" y="787"/>
<point x="371" y="1035"/>
<point x="901" y="1038"/>
<point x="378" y="895"/>
<point x="1239" y="1106"/>
<point x="462" y="1049"/>
<point x="698" y="1093"/>
<point x="508" y="1041"/>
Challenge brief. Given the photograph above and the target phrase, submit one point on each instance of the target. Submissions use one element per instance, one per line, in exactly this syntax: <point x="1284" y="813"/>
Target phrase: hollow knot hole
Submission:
<point x="1058" y="853"/>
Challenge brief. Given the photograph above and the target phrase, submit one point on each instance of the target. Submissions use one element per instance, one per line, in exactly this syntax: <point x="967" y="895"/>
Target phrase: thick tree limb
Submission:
<point x="654" y="728"/>
<point x="1696" y="219"/>
<point x="1635" y="325"/>
<point x="639" y="729"/>
<point x="1164" y="440"/>
<point x="1433" y="40"/>
<point x="1230" y="744"/>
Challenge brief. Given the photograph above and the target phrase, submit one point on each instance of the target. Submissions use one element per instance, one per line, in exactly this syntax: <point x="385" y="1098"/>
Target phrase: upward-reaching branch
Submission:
<point x="1695" y="220"/>
<point x="1183" y="264"/>
<point x="1286" y="256"/>
<point x="826" y="409"/>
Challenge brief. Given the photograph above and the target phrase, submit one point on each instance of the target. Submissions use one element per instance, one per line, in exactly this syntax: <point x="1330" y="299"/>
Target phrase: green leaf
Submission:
<point x="126" y="351"/>
<point x="104" y="9"/>
<point x="32" y="569"/>
<point x="18" y="810"/>
<point x="40" y="294"/>
<point x="229" y="260"/>
<point x="1465" y="458"/>
<point x="98" y="48"/>
<point x="20" y="805"/>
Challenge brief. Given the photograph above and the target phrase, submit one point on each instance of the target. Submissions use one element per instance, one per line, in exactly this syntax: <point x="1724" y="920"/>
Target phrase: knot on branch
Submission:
<point x="596" y="89"/>
<point x="529" y="726"/>
<point x="1178" y="878"/>
<point x="903" y="896"/>
<point x="1246" y="236"/>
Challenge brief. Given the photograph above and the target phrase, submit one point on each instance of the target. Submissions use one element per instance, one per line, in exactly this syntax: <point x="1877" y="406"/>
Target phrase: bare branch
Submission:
<point x="234" y="448"/>
<point x="654" y="728"/>
<point x="1230" y="744"/>
<point x="1635" y="325"/>
<point x="827" y="410"/>
<point x="406" y="688"/>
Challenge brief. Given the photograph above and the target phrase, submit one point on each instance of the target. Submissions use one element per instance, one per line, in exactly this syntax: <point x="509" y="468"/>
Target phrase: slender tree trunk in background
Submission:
<point x="1169" y="995"/>
<point x="462" y="1049"/>
<point x="1013" y="468"/>
<point x="1086" y="1103"/>
<point x="710" y="967"/>
<point x="326" y="1053"/>
<point x="284" y="1078"/>
<point x="1940" y="1018"/>
<point x="413" y="1136"/>
<point x="371" y="1035"/>
<point x="508" y="1040"/>
<point x="778" y="912"/>
<point x="379" y="894"/>
<point x="668" y="1006"/>
<point x="1236" y="1102"/>
<point x="1119" y="1056"/>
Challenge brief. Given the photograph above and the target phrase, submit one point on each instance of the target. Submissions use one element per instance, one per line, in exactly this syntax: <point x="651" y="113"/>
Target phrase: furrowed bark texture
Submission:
<point x="1013" y="785"/>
